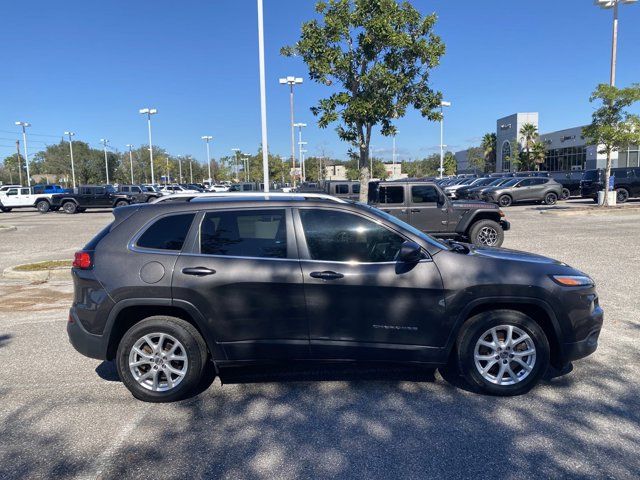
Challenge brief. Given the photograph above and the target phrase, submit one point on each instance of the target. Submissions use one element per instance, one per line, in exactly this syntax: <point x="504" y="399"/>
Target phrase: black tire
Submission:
<point x="195" y="351"/>
<point x="5" y="209"/>
<point x="622" y="195"/>
<point x="550" y="198"/>
<point x="43" y="206"/>
<point x="566" y="193"/>
<point x="486" y="233"/>
<point x="69" y="207"/>
<point x="477" y="327"/>
<point x="121" y="203"/>
<point x="505" y="201"/>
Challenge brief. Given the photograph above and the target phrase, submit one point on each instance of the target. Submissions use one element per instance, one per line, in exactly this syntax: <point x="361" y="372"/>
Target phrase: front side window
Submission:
<point x="336" y="236"/>
<point x="393" y="194"/>
<point x="424" y="194"/>
<point x="167" y="233"/>
<point x="251" y="233"/>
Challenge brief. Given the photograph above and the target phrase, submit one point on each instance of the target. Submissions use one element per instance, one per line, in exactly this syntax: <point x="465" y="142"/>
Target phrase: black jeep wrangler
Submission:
<point x="91" y="196"/>
<point x="425" y="206"/>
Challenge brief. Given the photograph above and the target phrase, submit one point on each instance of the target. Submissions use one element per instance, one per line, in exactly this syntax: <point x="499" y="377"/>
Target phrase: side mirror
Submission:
<point x="410" y="252"/>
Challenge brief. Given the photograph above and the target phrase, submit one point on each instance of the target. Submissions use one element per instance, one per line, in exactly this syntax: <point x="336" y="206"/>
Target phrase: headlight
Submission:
<point x="573" y="280"/>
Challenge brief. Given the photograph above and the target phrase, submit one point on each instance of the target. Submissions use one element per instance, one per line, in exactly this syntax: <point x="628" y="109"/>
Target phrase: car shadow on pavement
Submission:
<point x="107" y="371"/>
<point x="4" y="339"/>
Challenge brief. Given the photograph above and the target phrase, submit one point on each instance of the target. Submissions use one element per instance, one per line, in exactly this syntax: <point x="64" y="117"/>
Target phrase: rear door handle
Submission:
<point x="198" y="271"/>
<point x="327" y="275"/>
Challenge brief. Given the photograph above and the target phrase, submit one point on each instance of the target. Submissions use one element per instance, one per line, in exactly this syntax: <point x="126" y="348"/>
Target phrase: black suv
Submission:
<point x="425" y="206"/>
<point x="626" y="183"/>
<point x="170" y="289"/>
<point x="90" y="196"/>
<point x="139" y="193"/>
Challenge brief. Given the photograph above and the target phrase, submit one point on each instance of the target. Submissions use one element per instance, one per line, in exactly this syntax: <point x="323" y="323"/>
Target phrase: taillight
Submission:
<point x="82" y="260"/>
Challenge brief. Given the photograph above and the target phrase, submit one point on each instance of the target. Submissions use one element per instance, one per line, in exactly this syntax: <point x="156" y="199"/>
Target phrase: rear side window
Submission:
<point x="424" y="194"/>
<point x="355" y="188"/>
<point x="342" y="189"/>
<point x="392" y="194"/>
<point x="252" y="233"/>
<point x="167" y="233"/>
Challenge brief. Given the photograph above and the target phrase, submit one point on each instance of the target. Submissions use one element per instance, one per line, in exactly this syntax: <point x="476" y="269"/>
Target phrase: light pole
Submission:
<point x="606" y="4"/>
<point x="73" y="168"/>
<point x="104" y="142"/>
<point x="24" y="126"/>
<point x="130" y="160"/>
<point x="246" y="165"/>
<point x="236" y="151"/>
<point x="148" y="112"/>
<point x="180" y="168"/>
<point x="263" y="100"/>
<point x="292" y="81"/>
<point x="300" y="144"/>
<point x="442" y="105"/>
<point x="208" y="138"/>
<point x="190" y="170"/>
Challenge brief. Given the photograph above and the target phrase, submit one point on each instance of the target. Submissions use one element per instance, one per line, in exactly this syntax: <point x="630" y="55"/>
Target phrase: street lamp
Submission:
<point x="190" y="170"/>
<point x="246" y="166"/>
<point x="300" y="144"/>
<point x="73" y="169"/>
<point x="606" y="4"/>
<point x="292" y="81"/>
<point x="263" y="100"/>
<point x="442" y="105"/>
<point x="106" y="161"/>
<point x="130" y="160"/>
<point x="180" y="168"/>
<point x="236" y="151"/>
<point x="207" y="138"/>
<point x="24" y="126"/>
<point x="148" y="112"/>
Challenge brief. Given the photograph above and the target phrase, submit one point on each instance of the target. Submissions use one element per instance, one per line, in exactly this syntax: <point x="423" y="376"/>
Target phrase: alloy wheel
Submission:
<point x="487" y="236"/>
<point x="504" y="355"/>
<point x="622" y="195"/>
<point x="158" y="362"/>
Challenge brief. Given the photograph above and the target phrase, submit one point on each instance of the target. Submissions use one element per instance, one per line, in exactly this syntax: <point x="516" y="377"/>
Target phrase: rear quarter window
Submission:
<point x="167" y="233"/>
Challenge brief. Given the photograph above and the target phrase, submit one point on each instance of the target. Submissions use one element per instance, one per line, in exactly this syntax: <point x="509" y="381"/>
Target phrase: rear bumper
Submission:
<point x="88" y="344"/>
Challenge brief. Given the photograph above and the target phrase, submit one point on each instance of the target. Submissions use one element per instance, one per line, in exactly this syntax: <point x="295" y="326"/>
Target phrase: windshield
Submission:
<point x="591" y="175"/>
<point x="110" y="189"/>
<point x="481" y="182"/>
<point x="396" y="221"/>
<point x="511" y="182"/>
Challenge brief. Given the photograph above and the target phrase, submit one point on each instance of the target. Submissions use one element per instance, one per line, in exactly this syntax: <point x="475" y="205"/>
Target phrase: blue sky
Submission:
<point x="89" y="66"/>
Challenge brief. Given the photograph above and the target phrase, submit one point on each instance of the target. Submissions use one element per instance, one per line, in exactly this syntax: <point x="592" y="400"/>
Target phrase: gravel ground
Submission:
<point x="63" y="415"/>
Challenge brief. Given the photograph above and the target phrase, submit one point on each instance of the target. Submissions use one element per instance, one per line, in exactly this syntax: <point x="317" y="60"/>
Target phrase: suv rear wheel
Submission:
<point x="161" y="359"/>
<point x="502" y="352"/>
<point x="550" y="198"/>
<point x="487" y="233"/>
<point x="622" y="195"/>
<point x="121" y="203"/>
<point x="566" y="193"/>
<point x="505" y="201"/>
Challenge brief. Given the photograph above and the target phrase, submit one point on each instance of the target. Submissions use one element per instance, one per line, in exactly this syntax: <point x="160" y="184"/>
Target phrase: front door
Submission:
<point x="361" y="302"/>
<point x="243" y="275"/>
<point x="426" y="211"/>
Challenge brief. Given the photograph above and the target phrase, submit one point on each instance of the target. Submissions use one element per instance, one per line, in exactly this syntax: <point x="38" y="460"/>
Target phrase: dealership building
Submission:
<point x="567" y="149"/>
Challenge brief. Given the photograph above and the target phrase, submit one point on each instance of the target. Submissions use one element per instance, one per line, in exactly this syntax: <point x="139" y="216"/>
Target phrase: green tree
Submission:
<point x="379" y="54"/>
<point x="13" y="169"/>
<point x="612" y="126"/>
<point x="488" y="145"/>
<point x="528" y="136"/>
<point x="476" y="158"/>
<point x="538" y="153"/>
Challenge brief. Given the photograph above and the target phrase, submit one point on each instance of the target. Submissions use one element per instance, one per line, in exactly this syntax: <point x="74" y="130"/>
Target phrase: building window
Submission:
<point x="506" y="156"/>
<point x="565" y="159"/>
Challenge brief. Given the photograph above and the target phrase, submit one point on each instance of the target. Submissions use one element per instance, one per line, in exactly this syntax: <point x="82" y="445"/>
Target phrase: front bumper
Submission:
<point x="587" y="345"/>
<point x="505" y="225"/>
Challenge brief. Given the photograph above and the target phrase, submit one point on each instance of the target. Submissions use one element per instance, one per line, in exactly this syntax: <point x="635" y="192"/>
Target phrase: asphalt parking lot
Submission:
<point x="64" y="415"/>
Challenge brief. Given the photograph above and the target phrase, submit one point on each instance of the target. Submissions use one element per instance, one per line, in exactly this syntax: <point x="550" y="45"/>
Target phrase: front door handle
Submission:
<point x="198" y="271"/>
<point x="415" y="210"/>
<point x="327" y="275"/>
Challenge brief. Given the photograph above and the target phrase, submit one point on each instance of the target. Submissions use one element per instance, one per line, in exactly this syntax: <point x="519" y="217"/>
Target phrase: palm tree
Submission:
<point x="488" y="145"/>
<point x="528" y="136"/>
<point x="538" y="153"/>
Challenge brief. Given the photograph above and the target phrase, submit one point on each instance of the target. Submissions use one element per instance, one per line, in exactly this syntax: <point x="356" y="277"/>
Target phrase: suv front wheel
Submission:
<point x="161" y="359"/>
<point x="502" y="352"/>
<point x="550" y="198"/>
<point x="486" y="233"/>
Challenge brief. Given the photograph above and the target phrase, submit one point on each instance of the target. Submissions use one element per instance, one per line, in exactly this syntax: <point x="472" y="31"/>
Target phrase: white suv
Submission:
<point x="23" y="197"/>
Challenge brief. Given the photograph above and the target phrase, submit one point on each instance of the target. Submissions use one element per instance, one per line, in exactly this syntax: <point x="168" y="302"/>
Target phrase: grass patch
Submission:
<point x="48" y="265"/>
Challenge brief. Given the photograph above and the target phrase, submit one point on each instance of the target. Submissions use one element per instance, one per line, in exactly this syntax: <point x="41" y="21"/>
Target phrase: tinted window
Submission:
<point x="591" y="175"/>
<point x="342" y="188"/>
<point x="424" y="194"/>
<point x="247" y="188"/>
<point x="98" y="191"/>
<point x="355" y="188"/>
<point x="124" y="189"/>
<point x="253" y="233"/>
<point x="344" y="237"/>
<point x="619" y="174"/>
<point x="168" y="233"/>
<point x="392" y="194"/>
<point x="24" y="191"/>
<point x="527" y="182"/>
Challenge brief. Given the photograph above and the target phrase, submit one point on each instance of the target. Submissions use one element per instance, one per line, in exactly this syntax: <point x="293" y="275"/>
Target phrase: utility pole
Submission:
<point x="19" y="161"/>
<point x="131" y="161"/>
<point x="104" y="142"/>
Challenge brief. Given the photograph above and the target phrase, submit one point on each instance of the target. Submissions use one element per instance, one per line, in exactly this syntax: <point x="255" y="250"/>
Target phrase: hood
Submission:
<point x="514" y="256"/>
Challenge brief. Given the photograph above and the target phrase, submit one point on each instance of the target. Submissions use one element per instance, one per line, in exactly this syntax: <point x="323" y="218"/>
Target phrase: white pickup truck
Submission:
<point x="23" y="197"/>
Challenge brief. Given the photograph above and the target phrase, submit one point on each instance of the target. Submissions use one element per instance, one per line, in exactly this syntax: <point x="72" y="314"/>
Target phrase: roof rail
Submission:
<point x="191" y="196"/>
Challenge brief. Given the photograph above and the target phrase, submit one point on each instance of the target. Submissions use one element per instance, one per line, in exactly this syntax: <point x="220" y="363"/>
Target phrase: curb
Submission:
<point x="38" y="275"/>
<point x="7" y="228"/>
<point x="592" y="211"/>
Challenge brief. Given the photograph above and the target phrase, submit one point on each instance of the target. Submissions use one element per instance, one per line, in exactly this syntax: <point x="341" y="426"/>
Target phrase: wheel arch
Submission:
<point x="538" y="310"/>
<point x="469" y="219"/>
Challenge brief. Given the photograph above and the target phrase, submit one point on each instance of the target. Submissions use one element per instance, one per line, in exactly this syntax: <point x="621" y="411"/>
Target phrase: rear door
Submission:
<point x="392" y="199"/>
<point x="25" y="198"/>
<point x="243" y="274"/>
<point x="426" y="211"/>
